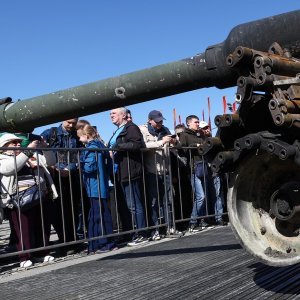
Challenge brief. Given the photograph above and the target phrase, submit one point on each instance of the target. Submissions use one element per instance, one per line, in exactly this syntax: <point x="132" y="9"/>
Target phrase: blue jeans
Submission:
<point x="199" y="201"/>
<point x="100" y="223"/>
<point x="158" y="195"/>
<point x="134" y="202"/>
<point x="219" y="200"/>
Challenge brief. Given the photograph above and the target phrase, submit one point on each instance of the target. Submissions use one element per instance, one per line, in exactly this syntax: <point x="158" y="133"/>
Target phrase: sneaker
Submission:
<point x="25" y="264"/>
<point x="104" y="249"/>
<point x="204" y="225"/>
<point x="173" y="231"/>
<point x="195" y="228"/>
<point x="138" y="240"/>
<point x="84" y="251"/>
<point x="221" y="223"/>
<point x="48" y="258"/>
<point x="65" y="251"/>
<point x="70" y="252"/>
<point x="156" y="236"/>
<point x="115" y="248"/>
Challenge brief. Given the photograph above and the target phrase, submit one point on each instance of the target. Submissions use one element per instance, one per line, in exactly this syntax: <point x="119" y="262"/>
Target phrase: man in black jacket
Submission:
<point x="191" y="137"/>
<point x="126" y="143"/>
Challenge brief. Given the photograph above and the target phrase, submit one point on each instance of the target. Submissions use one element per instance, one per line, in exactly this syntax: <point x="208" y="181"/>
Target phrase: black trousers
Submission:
<point x="67" y="208"/>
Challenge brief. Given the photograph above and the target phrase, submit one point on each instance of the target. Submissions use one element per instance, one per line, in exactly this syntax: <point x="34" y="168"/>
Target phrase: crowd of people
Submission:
<point x="145" y="181"/>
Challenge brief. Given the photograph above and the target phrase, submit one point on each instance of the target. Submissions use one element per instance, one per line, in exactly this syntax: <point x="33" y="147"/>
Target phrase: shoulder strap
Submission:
<point x="5" y="189"/>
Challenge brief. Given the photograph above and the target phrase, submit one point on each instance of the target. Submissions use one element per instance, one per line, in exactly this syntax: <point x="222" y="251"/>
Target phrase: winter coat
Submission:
<point x="128" y="155"/>
<point x="190" y="138"/>
<point x="200" y="166"/>
<point x="10" y="164"/>
<point x="154" y="160"/>
<point x="94" y="166"/>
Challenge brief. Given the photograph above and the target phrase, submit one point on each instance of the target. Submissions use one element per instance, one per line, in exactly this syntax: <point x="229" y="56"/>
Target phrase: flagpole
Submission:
<point x="224" y="105"/>
<point x="174" y="117"/>
<point x="208" y="105"/>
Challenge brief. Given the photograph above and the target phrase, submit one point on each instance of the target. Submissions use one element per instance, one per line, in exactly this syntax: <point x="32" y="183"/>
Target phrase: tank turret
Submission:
<point x="258" y="145"/>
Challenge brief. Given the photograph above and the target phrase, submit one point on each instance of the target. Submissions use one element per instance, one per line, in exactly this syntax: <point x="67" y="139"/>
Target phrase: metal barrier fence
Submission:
<point x="152" y="193"/>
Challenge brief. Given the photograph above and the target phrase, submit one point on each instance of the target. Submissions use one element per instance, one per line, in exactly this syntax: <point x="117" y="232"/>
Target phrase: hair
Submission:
<point x="82" y="123"/>
<point x="179" y="126"/>
<point x="89" y="131"/>
<point x="189" y="118"/>
<point x="128" y="112"/>
<point x="123" y="110"/>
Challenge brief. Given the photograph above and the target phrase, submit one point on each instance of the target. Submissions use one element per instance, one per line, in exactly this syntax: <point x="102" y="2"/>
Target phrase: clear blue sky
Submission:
<point x="52" y="45"/>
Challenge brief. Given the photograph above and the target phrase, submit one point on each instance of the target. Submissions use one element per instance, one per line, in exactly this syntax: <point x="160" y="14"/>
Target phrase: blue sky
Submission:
<point x="47" y="46"/>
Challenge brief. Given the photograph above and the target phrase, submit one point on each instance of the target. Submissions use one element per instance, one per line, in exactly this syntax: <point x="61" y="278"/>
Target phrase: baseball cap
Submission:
<point x="203" y="124"/>
<point x="156" y="116"/>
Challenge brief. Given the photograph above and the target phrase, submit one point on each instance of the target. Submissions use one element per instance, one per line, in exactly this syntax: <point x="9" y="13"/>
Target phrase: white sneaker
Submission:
<point x="194" y="228"/>
<point x="156" y="236"/>
<point x="48" y="258"/>
<point x="25" y="264"/>
<point x="138" y="240"/>
<point x="174" y="232"/>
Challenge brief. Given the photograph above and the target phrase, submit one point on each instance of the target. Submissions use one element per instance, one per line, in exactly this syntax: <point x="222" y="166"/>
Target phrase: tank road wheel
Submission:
<point x="264" y="208"/>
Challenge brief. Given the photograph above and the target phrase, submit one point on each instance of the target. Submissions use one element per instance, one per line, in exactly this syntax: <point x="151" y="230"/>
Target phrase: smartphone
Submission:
<point x="33" y="137"/>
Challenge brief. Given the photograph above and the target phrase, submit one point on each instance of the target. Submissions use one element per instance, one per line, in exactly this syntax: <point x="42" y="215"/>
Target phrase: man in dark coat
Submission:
<point x="67" y="210"/>
<point x="126" y="143"/>
<point x="191" y="137"/>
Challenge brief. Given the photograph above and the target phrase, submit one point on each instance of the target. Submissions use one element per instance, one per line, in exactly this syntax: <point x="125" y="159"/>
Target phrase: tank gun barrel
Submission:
<point x="206" y="69"/>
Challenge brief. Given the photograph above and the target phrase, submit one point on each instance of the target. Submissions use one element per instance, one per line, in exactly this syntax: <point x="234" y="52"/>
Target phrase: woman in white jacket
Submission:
<point x="29" y="168"/>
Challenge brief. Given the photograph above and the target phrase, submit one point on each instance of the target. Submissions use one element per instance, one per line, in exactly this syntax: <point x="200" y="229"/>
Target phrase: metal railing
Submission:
<point x="55" y="223"/>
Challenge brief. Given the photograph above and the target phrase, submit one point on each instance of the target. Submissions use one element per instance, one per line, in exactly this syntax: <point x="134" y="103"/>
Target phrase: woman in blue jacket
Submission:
<point x="94" y="166"/>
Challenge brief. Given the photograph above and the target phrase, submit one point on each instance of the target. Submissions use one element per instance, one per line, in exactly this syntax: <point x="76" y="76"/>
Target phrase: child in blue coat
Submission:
<point x="94" y="166"/>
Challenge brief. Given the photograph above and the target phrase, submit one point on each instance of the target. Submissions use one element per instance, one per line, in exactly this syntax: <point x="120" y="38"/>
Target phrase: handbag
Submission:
<point x="28" y="198"/>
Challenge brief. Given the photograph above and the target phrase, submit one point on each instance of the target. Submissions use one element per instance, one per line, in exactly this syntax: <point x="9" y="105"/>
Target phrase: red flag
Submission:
<point x="224" y="104"/>
<point x="208" y="105"/>
<point x="179" y="119"/>
<point x="174" y="117"/>
<point x="203" y="115"/>
<point x="234" y="107"/>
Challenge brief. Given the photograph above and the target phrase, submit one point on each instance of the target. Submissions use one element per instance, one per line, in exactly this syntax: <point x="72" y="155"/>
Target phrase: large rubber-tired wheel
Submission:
<point x="264" y="208"/>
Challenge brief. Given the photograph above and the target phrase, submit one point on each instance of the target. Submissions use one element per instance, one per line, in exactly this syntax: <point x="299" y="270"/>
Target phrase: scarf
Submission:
<point x="160" y="133"/>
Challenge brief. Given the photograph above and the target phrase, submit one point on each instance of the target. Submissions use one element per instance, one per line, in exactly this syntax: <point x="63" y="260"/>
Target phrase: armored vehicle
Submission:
<point x="258" y="145"/>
